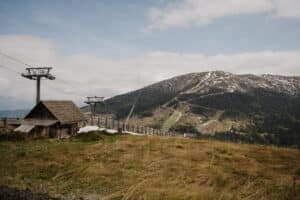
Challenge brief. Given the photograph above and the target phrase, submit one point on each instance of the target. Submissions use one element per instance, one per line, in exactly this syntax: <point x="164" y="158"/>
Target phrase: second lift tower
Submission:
<point x="93" y="101"/>
<point x="37" y="73"/>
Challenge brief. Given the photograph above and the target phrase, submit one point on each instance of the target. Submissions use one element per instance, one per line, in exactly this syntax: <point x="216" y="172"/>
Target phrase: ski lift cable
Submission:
<point x="28" y="65"/>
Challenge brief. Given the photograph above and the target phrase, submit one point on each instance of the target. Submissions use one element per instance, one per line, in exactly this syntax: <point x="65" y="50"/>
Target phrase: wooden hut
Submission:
<point x="54" y="119"/>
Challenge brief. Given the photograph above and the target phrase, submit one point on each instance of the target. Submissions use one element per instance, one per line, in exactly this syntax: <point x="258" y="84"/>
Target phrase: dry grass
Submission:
<point x="128" y="167"/>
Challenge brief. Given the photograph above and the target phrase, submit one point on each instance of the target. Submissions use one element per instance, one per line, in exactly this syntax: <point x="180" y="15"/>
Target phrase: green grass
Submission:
<point x="171" y="121"/>
<point x="128" y="167"/>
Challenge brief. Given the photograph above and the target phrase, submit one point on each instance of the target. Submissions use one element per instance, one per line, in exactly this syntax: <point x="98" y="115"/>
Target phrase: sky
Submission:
<point x="109" y="47"/>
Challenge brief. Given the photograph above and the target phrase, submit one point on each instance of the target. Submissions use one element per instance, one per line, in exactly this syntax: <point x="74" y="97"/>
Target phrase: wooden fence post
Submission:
<point x="109" y="122"/>
<point x="5" y="123"/>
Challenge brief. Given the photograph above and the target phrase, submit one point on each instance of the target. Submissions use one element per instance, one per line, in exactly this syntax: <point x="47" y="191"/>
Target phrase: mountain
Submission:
<point x="218" y="102"/>
<point x="20" y="113"/>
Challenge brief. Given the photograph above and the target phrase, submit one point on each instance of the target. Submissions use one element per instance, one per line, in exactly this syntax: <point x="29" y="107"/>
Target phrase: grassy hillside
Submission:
<point x="171" y="121"/>
<point x="267" y="106"/>
<point x="128" y="167"/>
<point x="269" y="112"/>
<point x="274" y="117"/>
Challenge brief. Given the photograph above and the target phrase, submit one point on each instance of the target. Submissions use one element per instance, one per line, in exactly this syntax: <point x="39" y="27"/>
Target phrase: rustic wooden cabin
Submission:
<point x="54" y="119"/>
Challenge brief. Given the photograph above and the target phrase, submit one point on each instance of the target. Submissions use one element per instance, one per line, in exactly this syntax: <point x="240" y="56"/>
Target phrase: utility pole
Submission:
<point x="93" y="101"/>
<point x="37" y="73"/>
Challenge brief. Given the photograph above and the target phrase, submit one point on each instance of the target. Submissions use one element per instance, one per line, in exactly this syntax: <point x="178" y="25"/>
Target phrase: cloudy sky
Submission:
<point x="108" y="47"/>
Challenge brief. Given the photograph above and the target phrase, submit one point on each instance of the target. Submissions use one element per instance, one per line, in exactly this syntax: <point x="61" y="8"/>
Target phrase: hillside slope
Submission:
<point x="213" y="102"/>
<point x="133" y="167"/>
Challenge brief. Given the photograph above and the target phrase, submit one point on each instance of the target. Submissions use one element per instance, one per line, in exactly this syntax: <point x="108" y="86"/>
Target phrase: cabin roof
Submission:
<point x="39" y="122"/>
<point x="64" y="111"/>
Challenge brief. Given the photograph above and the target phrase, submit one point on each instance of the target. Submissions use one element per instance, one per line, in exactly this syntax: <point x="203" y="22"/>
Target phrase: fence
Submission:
<point x="110" y="123"/>
<point x="6" y="123"/>
<point x="105" y="122"/>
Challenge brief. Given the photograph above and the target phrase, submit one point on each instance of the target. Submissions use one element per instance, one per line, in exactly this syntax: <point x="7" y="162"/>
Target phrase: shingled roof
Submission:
<point x="63" y="111"/>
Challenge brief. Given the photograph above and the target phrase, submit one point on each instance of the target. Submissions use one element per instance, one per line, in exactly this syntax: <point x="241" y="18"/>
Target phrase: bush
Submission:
<point x="89" y="137"/>
<point x="11" y="136"/>
<point x="185" y="129"/>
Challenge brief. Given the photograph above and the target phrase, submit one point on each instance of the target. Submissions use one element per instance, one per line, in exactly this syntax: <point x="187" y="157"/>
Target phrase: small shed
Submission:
<point x="53" y="119"/>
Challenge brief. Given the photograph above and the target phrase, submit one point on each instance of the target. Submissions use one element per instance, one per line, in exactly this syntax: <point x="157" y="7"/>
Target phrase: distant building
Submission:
<point x="54" y="119"/>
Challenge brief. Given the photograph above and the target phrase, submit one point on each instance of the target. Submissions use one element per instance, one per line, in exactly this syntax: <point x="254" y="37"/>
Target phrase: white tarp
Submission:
<point x="132" y="133"/>
<point x="87" y="129"/>
<point x="111" y="131"/>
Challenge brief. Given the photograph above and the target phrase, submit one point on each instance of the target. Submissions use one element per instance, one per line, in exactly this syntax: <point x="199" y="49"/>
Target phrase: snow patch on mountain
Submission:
<point x="217" y="80"/>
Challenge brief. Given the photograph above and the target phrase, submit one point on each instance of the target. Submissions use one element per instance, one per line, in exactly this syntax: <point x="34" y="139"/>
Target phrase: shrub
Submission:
<point x="89" y="137"/>
<point x="11" y="136"/>
<point x="185" y="129"/>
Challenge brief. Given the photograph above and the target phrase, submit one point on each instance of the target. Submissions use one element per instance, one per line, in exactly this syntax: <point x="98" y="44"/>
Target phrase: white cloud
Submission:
<point x="4" y="83"/>
<point x="81" y="75"/>
<point x="186" y="13"/>
<point x="287" y="8"/>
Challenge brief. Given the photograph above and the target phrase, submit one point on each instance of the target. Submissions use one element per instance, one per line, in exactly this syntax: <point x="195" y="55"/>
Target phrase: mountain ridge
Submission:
<point x="216" y="102"/>
<point x="217" y="82"/>
<point x="280" y="80"/>
<point x="17" y="113"/>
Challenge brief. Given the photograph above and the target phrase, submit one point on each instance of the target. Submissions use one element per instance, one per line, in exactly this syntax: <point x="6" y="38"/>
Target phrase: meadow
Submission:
<point x="97" y="166"/>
